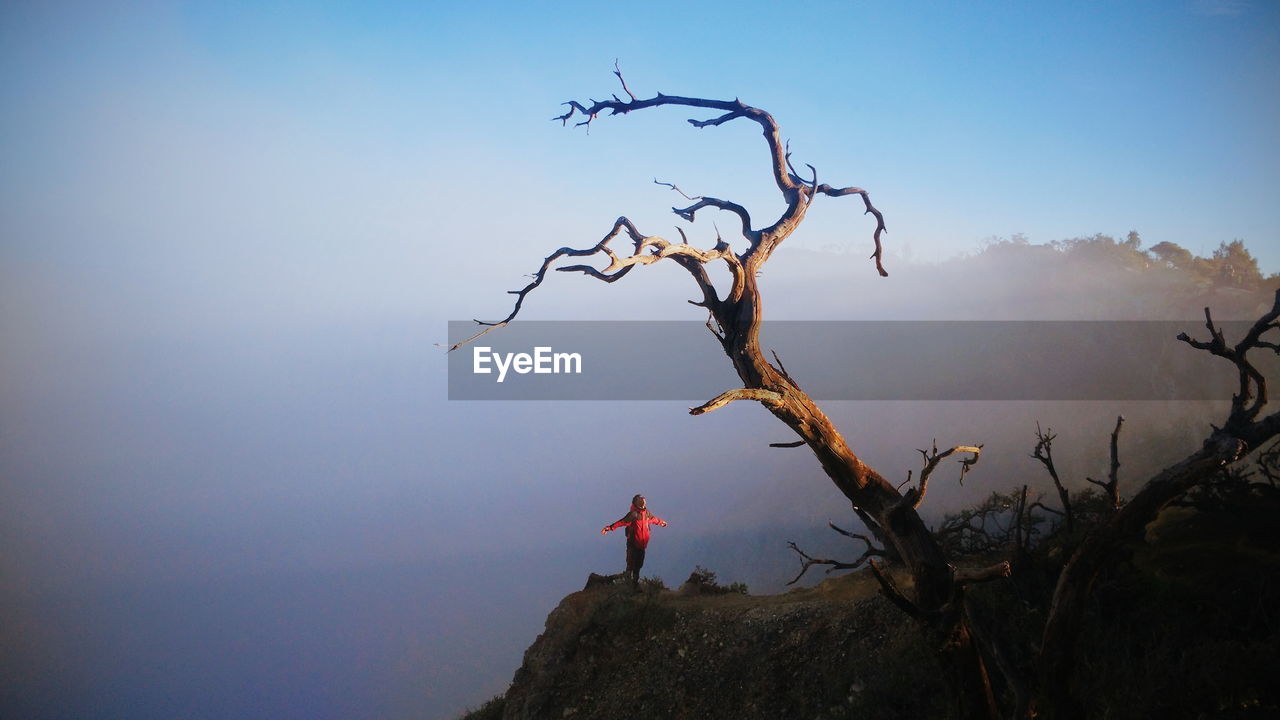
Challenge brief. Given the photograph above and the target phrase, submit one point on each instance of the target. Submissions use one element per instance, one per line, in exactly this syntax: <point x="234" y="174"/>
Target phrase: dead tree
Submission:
<point x="1244" y="430"/>
<point x="1044" y="453"/>
<point x="1112" y="486"/>
<point x="735" y="319"/>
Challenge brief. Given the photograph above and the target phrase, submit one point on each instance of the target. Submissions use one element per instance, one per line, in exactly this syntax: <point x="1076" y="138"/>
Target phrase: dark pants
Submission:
<point x="635" y="560"/>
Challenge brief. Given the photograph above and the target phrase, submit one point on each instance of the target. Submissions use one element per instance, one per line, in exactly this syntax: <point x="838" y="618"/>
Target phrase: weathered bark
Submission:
<point x="863" y="486"/>
<point x="936" y="593"/>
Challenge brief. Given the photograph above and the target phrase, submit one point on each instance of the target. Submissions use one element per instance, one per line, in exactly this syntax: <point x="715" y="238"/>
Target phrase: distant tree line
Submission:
<point x="1164" y="280"/>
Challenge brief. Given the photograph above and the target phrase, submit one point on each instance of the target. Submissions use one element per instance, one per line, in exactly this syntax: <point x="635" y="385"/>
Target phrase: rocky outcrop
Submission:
<point x="614" y="651"/>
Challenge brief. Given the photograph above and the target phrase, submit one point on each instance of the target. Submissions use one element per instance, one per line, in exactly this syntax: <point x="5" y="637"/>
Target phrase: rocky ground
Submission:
<point x="699" y="652"/>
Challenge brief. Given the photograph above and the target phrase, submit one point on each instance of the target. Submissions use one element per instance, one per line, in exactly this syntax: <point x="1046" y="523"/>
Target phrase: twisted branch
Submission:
<point x="1253" y="386"/>
<point x="767" y="397"/>
<point x="809" y="561"/>
<point x="701" y="202"/>
<point x="915" y="496"/>
<point x="797" y="192"/>
<point x="618" y="71"/>
<point x="733" y="109"/>
<point x="829" y="191"/>
<point x="688" y="214"/>
<point x="647" y="250"/>
<point x="1044" y="453"/>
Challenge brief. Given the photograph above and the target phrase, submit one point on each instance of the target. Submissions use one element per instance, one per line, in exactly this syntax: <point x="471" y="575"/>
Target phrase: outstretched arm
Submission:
<point x="626" y="520"/>
<point x="655" y="520"/>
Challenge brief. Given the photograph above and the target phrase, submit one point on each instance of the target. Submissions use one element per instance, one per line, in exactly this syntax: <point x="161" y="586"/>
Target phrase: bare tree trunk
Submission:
<point x="938" y="597"/>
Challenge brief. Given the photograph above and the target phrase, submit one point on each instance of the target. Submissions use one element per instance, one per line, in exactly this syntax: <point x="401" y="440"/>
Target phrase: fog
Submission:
<point x="231" y="239"/>
<point x="293" y="521"/>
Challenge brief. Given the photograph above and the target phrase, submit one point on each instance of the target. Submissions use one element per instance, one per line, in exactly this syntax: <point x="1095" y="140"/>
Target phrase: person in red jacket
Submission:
<point x="637" y="522"/>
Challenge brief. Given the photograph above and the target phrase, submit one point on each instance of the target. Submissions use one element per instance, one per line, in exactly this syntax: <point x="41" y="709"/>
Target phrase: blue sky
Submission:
<point x="965" y="121"/>
<point x="231" y="233"/>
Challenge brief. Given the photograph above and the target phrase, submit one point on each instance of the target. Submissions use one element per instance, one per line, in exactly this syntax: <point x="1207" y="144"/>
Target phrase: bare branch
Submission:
<point x="881" y="229"/>
<point x="767" y="397"/>
<point x="797" y="192"/>
<point x="647" y="250"/>
<point x="1112" y="486"/>
<point x="700" y="201"/>
<point x="783" y="368"/>
<point x="1252" y="384"/>
<point x="813" y="186"/>
<point x="1114" y="475"/>
<point x="618" y="71"/>
<point x="787" y="156"/>
<point x="689" y="212"/>
<point x="915" y="496"/>
<point x="796" y="444"/>
<point x="1044" y="453"/>
<point x="809" y="561"/>
<point x="965" y="576"/>
<point x="732" y="110"/>
<point x="683" y="194"/>
<point x="851" y="535"/>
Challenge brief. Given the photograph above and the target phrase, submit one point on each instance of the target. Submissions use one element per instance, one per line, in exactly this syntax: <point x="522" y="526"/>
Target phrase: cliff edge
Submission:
<point x="699" y="652"/>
